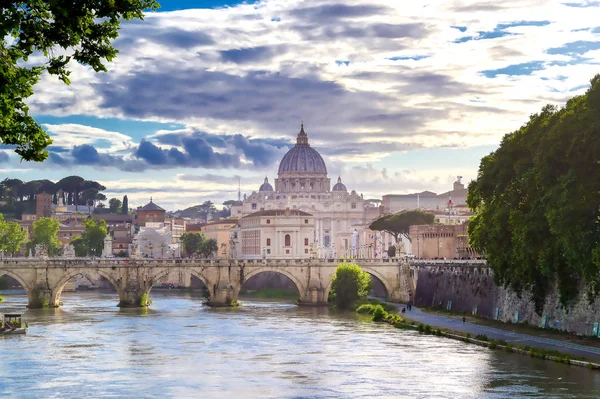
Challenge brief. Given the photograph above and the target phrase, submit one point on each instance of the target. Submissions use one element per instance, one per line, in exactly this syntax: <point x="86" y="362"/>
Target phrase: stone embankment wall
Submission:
<point x="471" y="288"/>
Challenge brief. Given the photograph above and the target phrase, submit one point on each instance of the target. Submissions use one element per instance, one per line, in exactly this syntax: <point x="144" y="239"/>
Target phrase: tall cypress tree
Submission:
<point x="125" y="205"/>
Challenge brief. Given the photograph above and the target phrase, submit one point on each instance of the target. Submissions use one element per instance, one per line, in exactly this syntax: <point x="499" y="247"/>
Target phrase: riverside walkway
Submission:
<point x="417" y="315"/>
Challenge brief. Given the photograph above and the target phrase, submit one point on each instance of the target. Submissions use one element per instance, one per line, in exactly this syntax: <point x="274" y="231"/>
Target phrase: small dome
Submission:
<point x="266" y="186"/>
<point x="302" y="158"/>
<point x="340" y="186"/>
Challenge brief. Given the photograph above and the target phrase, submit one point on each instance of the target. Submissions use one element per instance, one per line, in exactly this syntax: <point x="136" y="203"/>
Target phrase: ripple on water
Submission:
<point x="181" y="348"/>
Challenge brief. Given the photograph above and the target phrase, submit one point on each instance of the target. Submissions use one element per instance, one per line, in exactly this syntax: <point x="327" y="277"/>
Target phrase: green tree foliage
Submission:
<point x="114" y="205"/>
<point x="536" y="202"/>
<point x="198" y="211"/>
<point x="399" y="223"/>
<point x="93" y="236"/>
<point x="11" y="236"/>
<point x="192" y="243"/>
<point x="82" y="30"/>
<point x="350" y="283"/>
<point x="45" y="233"/>
<point x="79" y="246"/>
<point x="208" y="248"/>
<point x="125" y="206"/>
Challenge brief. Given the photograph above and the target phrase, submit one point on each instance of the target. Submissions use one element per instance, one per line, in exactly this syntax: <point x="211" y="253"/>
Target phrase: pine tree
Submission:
<point x="125" y="205"/>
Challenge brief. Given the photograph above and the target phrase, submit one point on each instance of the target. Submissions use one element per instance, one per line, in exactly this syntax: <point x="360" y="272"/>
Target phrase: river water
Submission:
<point x="184" y="349"/>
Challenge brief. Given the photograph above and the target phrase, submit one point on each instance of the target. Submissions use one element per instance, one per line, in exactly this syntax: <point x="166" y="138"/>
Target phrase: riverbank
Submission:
<point x="561" y="352"/>
<point x="522" y="328"/>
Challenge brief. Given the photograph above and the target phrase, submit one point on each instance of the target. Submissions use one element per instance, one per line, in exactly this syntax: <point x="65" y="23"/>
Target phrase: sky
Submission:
<point x="397" y="96"/>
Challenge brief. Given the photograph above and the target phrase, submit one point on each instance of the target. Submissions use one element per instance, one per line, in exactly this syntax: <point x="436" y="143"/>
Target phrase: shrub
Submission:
<point x="379" y="313"/>
<point x="350" y="283"/>
<point x="493" y="344"/>
<point x="1" y="298"/>
<point x="481" y="337"/>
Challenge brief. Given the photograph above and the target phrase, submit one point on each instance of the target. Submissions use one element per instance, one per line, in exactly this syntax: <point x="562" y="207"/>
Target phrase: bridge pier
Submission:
<point x="224" y="295"/>
<point x="41" y="297"/>
<point x="313" y="297"/>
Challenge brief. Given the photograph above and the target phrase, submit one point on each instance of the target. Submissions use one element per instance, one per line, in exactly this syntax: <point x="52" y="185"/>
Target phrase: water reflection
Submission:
<point x="182" y="348"/>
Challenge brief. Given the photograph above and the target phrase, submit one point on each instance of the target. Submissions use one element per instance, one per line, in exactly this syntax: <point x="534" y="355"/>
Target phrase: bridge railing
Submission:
<point x="123" y="262"/>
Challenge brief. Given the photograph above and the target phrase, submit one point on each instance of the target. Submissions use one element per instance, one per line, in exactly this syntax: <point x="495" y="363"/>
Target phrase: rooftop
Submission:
<point x="278" y="212"/>
<point x="151" y="206"/>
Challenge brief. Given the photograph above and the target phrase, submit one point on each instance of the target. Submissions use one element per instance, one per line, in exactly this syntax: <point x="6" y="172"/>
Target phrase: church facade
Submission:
<point x="302" y="184"/>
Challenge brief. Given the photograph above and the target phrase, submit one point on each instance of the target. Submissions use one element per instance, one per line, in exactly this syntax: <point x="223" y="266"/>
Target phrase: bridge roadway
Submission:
<point x="45" y="279"/>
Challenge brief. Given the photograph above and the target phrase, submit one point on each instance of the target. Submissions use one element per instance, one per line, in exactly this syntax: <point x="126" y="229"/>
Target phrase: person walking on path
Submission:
<point x="464" y="320"/>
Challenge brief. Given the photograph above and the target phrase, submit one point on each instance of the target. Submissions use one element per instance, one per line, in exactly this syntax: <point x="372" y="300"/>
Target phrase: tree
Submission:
<point x="114" y="205"/>
<point x="536" y="200"/>
<point x="45" y="233"/>
<point x="208" y="248"/>
<point x="72" y="185"/>
<point x="83" y="30"/>
<point x="79" y="245"/>
<point x="350" y="283"/>
<point x="399" y="223"/>
<point x="191" y="243"/>
<point x="11" y="236"/>
<point x="229" y="203"/>
<point x="93" y="236"/>
<point x="125" y="206"/>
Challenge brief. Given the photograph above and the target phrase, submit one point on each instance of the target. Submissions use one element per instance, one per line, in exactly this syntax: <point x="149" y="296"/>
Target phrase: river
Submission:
<point x="264" y="349"/>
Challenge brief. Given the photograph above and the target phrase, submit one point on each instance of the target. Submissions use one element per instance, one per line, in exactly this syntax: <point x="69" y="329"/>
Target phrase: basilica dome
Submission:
<point x="339" y="186"/>
<point x="302" y="158"/>
<point x="265" y="186"/>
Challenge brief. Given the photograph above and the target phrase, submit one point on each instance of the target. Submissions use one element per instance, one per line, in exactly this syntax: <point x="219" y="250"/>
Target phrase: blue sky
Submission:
<point x="397" y="96"/>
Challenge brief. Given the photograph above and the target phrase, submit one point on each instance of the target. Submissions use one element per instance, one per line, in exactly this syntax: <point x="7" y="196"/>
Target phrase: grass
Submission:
<point x="273" y="293"/>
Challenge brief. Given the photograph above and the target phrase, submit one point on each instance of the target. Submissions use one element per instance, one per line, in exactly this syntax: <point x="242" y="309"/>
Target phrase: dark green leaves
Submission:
<point x="537" y="201"/>
<point x="61" y="30"/>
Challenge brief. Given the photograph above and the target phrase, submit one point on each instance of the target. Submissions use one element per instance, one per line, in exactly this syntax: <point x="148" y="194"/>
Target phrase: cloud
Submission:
<point x="328" y="13"/>
<point x="3" y="157"/>
<point x="251" y="54"/>
<point x="370" y="80"/>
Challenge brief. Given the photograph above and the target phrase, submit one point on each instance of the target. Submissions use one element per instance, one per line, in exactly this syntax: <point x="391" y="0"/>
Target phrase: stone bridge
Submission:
<point x="45" y="279"/>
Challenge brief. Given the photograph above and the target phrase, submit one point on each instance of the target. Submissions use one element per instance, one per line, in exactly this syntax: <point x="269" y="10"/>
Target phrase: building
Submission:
<point x="177" y="227"/>
<point x="274" y="233"/>
<point x="43" y="205"/>
<point x="194" y="227"/>
<point x="67" y="232"/>
<point x="221" y="232"/>
<point x="441" y="242"/>
<point x="302" y="184"/>
<point x="149" y="213"/>
<point x="154" y="240"/>
<point x="427" y="200"/>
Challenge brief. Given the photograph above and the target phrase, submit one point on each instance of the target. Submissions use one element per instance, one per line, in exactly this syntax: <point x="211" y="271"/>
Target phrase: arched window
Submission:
<point x="288" y="240"/>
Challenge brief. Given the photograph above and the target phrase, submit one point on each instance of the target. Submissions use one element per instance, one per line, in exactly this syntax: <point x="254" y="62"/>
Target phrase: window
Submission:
<point x="268" y="242"/>
<point x="353" y="205"/>
<point x="306" y="241"/>
<point x="288" y="240"/>
<point x="287" y="251"/>
<point x="268" y="221"/>
<point x="253" y="206"/>
<point x="305" y="221"/>
<point x="306" y="251"/>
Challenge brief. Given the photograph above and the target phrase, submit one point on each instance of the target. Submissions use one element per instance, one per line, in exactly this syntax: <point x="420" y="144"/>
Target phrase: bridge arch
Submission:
<point x="16" y="276"/>
<point x="60" y="286"/>
<point x="374" y="273"/>
<point x="193" y="271"/>
<point x="280" y="270"/>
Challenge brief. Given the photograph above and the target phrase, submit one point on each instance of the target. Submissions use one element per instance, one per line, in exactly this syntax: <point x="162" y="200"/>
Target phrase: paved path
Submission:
<point x="419" y="316"/>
